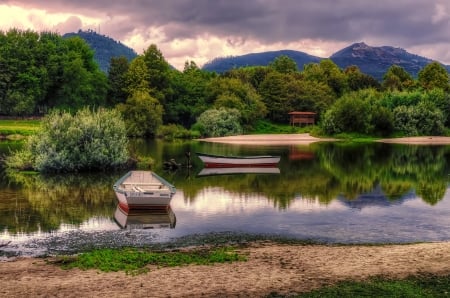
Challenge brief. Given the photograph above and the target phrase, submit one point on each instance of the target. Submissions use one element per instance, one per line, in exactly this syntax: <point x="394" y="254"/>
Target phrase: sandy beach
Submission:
<point x="270" y="268"/>
<point x="305" y="139"/>
<point x="284" y="269"/>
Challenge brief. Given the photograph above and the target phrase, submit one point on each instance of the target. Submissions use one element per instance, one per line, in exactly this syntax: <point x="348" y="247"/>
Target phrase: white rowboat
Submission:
<point x="143" y="190"/>
<point x="220" y="161"/>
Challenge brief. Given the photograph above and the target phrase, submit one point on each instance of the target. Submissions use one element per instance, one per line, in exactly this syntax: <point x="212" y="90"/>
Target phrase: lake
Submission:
<point x="326" y="192"/>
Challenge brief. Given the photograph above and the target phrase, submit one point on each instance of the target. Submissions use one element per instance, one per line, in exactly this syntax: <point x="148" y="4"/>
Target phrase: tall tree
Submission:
<point x="118" y="68"/>
<point x="284" y="64"/>
<point x="397" y="78"/>
<point x="434" y="75"/>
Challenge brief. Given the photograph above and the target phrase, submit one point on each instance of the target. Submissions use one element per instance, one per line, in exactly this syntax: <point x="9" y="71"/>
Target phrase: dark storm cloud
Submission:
<point x="410" y="22"/>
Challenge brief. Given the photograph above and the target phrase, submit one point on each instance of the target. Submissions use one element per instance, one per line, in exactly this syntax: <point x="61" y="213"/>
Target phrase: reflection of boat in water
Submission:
<point x="220" y="161"/>
<point x="236" y="170"/>
<point x="143" y="189"/>
<point x="145" y="219"/>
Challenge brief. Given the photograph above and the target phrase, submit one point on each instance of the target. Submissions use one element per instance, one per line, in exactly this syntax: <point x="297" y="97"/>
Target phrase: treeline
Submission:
<point x="42" y="71"/>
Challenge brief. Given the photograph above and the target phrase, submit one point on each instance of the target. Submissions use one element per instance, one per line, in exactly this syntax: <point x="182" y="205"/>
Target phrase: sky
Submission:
<point x="201" y="30"/>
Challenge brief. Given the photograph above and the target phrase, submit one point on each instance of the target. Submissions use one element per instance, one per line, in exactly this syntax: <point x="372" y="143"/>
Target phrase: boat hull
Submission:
<point x="217" y="161"/>
<point x="143" y="190"/>
<point x="238" y="170"/>
<point x="145" y="219"/>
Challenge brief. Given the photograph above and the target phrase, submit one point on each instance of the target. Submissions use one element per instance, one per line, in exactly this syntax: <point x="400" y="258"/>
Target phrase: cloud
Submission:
<point x="72" y="24"/>
<point x="233" y="26"/>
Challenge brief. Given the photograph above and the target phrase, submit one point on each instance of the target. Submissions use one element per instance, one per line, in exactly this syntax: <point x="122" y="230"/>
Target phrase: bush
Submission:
<point x="423" y="119"/>
<point x="88" y="140"/>
<point x="219" y="122"/>
<point x="175" y="131"/>
<point x="348" y="114"/>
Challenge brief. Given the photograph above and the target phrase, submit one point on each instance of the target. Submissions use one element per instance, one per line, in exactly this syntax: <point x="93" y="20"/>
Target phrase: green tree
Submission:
<point x="117" y="84"/>
<point x="434" y="75"/>
<point x="356" y="80"/>
<point x="397" y="78"/>
<point x="233" y="94"/>
<point x="188" y="99"/>
<point x="142" y="113"/>
<point x="284" y="64"/>
<point x="158" y="70"/>
<point x="328" y="72"/>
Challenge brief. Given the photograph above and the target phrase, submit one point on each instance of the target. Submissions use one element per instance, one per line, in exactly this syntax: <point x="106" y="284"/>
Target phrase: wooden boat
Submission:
<point x="236" y="170"/>
<point x="145" y="219"/>
<point x="143" y="190"/>
<point x="220" y="161"/>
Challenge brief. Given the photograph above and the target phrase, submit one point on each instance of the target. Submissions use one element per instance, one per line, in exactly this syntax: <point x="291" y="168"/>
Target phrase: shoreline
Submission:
<point x="271" y="267"/>
<point x="306" y="139"/>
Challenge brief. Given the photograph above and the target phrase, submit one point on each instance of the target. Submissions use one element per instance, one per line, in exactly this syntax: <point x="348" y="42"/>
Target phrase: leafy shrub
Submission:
<point x="349" y="114"/>
<point x="219" y="122"/>
<point x="88" y="140"/>
<point x="175" y="131"/>
<point x="422" y="119"/>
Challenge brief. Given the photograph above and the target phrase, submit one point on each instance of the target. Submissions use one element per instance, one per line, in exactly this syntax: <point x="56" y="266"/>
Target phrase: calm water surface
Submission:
<point x="330" y="192"/>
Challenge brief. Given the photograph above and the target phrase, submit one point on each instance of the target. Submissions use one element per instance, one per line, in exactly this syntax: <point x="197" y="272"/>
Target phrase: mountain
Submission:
<point x="221" y="65"/>
<point x="374" y="61"/>
<point x="104" y="47"/>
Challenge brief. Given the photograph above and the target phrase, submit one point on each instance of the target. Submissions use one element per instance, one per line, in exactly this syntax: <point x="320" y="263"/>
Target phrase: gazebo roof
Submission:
<point x="301" y="113"/>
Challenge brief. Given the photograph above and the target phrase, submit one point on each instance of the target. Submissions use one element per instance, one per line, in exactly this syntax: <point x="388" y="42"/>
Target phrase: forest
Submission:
<point x="41" y="72"/>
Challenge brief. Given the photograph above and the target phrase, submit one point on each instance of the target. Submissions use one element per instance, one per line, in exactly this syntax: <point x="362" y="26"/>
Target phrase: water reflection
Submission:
<point x="158" y="218"/>
<point x="332" y="191"/>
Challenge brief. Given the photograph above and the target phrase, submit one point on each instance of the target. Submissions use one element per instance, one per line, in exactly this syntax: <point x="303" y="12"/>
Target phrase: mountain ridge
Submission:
<point x="374" y="61"/>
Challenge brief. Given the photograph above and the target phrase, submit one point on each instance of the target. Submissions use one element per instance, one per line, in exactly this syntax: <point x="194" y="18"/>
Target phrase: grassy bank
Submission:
<point x="11" y="127"/>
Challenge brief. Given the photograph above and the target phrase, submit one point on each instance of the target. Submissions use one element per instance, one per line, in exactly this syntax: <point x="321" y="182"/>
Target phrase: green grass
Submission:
<point x="417" y="286"/>
<point x="133" y="260"/>
<point x="19" y="127"/>
<point x="266" y="127"/>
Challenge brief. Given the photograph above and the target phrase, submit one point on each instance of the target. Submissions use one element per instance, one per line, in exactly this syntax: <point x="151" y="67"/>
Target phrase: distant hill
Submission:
<point x="221" y="65"/>
<point x="374" y="61"/>
<point x="104" y="47"/>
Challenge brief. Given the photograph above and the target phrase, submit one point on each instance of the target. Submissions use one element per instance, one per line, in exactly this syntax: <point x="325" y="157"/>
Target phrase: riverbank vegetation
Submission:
<point x="133" y="260"/>
<point x="42" y="71"/>
<point x="88" y="140"/>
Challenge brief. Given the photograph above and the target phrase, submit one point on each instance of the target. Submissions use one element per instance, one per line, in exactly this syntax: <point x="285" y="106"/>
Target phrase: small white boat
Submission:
<point x="145" y="219"/>
<point x="143" y="190"/>
<point x="220" y="161"/>
<point x="236" y="170"/>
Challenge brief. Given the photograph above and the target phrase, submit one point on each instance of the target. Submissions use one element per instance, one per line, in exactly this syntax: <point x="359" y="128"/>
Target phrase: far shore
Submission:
<point x="306" y="139"/>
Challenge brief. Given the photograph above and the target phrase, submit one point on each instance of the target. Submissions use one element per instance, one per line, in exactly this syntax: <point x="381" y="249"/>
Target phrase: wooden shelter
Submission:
<point x="302" y="118"/>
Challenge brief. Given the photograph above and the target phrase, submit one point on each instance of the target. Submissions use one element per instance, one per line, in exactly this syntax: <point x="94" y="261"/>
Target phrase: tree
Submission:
<point x="142" y="113"/>
<point x="328" y="72"/>
<point x="356" y="80"/>
<point x="434" y="75"/>
<point x="233" y="94"/>
<point x="118" y="68"/>
<point x="397" y="78"/>
<point x="158" y="70"/>
<point x="284" y="64"/>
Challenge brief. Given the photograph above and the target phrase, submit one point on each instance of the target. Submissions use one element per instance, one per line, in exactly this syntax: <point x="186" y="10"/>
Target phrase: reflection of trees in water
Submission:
<point x="49" y="201"/>
<point x="343" y="170"/>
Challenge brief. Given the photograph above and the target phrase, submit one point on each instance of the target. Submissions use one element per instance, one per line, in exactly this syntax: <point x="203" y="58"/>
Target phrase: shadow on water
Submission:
<point x="331" y="192"/>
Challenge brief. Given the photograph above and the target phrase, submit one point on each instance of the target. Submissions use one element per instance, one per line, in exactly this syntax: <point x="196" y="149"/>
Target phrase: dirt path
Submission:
<point x="270" y="268"/>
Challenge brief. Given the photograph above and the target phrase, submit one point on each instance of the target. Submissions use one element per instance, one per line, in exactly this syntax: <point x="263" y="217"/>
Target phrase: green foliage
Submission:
<point x="218" y="123"/>
<point x="422" y="119"/>
<point x="21" y="127"/>
<point x="413" y="286"/>
<point x="349" y="114"/>
<point x="117" y="83"/>
<point x="142" y="114"/>
<point x="434" y="75"/>
<point x="132" y="260"/>
<point x="396" y="78"/>
<point x="284" y="64"/>
<point x="88" y="140"/>
<point x="266" y="127"/>
<point x="175" y="131"/>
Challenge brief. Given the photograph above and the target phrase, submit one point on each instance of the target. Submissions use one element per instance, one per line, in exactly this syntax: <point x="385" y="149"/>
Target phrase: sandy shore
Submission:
<point x="285" y="269"/>
<point x="305" y="139"/>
